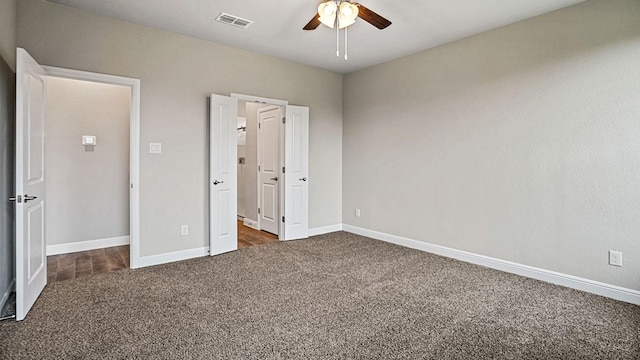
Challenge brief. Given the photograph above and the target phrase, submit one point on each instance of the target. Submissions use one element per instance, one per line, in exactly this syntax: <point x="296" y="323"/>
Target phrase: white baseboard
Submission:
<point x="145" y="261"/>
<point x="250" y="223"/>
<point x="7" y="293"/>
<point x="570" y="281"/>
<point x="325" y="229"/>
<point x="87" y="245"/>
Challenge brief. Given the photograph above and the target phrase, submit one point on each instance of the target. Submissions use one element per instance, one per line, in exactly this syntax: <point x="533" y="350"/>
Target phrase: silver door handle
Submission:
<point x="216" y="182"/>
<point x="303" y="179"/>
<point x="274" y="178"/>
<point x="29" y="197"/>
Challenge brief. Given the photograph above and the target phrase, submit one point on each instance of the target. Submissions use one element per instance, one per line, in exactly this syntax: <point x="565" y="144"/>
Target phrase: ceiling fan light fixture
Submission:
<point x="327" y="13"/>
<point x="347" y="15"/>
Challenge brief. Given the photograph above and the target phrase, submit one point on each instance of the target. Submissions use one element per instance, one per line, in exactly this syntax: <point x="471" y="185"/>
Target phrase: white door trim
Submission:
<point x="258" y="99"/>
<point x="134" y="150"/>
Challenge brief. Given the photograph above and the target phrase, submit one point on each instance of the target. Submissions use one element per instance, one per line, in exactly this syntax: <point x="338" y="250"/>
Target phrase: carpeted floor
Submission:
<point x="9" y="309"/>
<point x="336" y="296"/>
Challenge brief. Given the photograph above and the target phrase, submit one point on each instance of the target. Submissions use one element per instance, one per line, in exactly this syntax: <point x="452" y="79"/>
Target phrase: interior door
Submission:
<point x="223" y="175"/>
<point x="296" y="217"/>
<point x="31" y="260"/>
<point x="269" y="120"/>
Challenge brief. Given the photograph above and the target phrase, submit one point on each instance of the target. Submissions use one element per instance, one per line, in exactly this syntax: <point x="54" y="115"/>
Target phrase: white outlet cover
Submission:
<point x="615" y="258"/>
<point x="155" y="148"/>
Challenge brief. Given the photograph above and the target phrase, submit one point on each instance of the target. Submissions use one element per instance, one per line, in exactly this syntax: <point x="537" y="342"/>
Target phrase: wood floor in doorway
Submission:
<point x="250" y="237"/>
<point x="75" y="265"/>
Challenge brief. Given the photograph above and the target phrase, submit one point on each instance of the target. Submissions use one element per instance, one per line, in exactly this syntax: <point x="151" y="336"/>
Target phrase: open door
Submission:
<point x="31" y="260"/>
<point x="269" y="126"/>
<point x="296" y="187"/>
<point x="223" y="185"/>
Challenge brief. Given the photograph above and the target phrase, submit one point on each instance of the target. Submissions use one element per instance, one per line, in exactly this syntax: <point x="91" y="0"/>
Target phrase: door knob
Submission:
<point x="274" y="178"/>
<point x="29" y="197"/>
<point x="216" y="182"/>
<point x="303" y="179"/>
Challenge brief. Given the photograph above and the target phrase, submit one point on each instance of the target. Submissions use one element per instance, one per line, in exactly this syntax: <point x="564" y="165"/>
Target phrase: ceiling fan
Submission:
<point x="340" y="14"/>
<point x="327" y="8"/>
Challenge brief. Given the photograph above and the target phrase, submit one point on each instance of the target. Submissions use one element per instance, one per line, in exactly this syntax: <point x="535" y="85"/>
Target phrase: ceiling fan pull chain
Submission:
<point x="346" y="37"/>
<point x="337" y="38"/>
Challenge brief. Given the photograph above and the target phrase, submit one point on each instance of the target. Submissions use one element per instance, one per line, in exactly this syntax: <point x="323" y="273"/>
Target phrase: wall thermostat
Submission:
<point x="88" y="140"/>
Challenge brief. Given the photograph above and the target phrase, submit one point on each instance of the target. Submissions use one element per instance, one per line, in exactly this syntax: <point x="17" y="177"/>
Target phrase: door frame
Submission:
<point x="283" y="105"/>
<point x="134" y="146"/>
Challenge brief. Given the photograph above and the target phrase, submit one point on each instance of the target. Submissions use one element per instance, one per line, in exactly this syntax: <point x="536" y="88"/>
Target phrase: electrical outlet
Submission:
<point x="615" y="258"/>
<point x="184" y="230"/>
<point x="357" y="212"/>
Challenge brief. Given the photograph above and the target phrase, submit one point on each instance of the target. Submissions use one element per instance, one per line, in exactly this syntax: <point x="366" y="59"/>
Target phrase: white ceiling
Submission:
<point x="277" y="29"/>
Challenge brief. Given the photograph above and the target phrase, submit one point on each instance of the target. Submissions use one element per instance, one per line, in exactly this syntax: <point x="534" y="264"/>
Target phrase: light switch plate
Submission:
<point x="155" y="148"/>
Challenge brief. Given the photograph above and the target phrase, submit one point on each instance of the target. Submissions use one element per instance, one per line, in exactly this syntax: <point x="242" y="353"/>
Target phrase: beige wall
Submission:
<point x="522" y="143"/>
<point x="8" y="32"/>
<point x="87" y="187"/>
<point x="177" y="73"/>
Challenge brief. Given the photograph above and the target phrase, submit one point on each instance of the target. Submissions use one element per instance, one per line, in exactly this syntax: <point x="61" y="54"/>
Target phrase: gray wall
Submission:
<point x="521" y="143"/>
<point x="8" y="32"/>
<point x="87" y="188"/>
<point x="177" y="74"/>
<point x="7" y="143"/>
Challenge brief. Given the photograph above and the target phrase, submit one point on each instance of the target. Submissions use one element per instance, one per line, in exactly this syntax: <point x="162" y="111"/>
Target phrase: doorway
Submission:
<point x="260" y="160"/>
<point x="293" y="154"/>
<point x="30" y="179"/>
<point x="87" y="155"/>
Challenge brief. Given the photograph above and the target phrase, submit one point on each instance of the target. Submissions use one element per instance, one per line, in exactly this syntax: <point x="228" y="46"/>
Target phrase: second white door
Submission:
<point x="269" y="121"/>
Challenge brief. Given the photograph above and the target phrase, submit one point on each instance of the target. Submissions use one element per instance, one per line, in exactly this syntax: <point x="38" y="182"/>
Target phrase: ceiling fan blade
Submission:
<point x="372" y="18"/>
<point x="313" y="24"/>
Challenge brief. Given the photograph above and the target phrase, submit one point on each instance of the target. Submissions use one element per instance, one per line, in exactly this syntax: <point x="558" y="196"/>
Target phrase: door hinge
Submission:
<point x="284" y="120"/>
<point x="283" y="219"/>
<point x="258" y="210"/>
<point x="259" y="126"/>
<point x="258" y="167"/>
<point x="283" y="169"/>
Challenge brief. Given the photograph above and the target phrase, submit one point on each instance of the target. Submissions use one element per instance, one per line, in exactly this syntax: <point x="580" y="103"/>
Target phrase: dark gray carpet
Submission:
<point x="337" y="296"/>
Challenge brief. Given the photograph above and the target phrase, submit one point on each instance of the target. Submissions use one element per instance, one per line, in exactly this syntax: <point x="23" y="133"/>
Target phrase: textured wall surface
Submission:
<point x="87" y="188"/>
<point x="522" y="143"/>
<point x="177" y="74"/>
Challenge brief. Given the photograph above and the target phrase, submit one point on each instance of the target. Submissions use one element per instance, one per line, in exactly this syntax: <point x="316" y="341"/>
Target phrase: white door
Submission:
<point x="296" y="176"/>
<point x="31" y="260"/>
<point x="269" y="120"/>
<point x="223" y="175"/>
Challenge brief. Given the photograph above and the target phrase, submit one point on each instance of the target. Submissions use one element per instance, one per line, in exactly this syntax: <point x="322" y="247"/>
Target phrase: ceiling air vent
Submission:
<point x="233" y="20"/>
